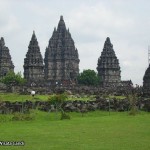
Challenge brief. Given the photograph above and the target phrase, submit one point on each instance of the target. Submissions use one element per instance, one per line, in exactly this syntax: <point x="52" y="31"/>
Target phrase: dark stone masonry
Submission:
<point x="6" y="63"/>
<point x="108" y="65"/>
<point x="33" y="63"/>
<point x="146" y="81"/>
<point x="61" y="56"/>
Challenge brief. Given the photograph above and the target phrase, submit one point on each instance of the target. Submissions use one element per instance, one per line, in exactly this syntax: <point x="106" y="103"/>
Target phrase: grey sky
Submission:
<point x="126" y="22"/>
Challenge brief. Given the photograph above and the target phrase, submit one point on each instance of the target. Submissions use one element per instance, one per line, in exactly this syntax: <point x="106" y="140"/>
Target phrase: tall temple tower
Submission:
<point x="61" y="56"/>
<point x="146" y="81"/>
<point x="146" y="78"/>
<point x="33" y="63"/>
<point x="108" y="65"/>
<point x="6" y="64"/>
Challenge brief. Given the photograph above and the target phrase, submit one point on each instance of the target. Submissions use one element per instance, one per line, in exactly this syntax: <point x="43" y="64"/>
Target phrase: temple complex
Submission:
<point x="33" y="63"/>
<point x="61" y="56"/>
<point x="61" y="62"/>
<point x="6" y="64"/>
<point x="108" y="66"/>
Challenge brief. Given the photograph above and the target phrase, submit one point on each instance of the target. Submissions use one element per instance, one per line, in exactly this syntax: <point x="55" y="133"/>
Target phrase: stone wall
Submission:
<point x="88" y="90"/>
<point x="74" y="106"/>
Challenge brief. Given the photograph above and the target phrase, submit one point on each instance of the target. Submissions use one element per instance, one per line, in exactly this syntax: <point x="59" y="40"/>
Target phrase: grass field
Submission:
<point x="94" y="131"/>
<point x="18" y="97"/>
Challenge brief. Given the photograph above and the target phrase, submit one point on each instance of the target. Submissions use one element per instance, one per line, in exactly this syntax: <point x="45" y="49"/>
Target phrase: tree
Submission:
<point x="57" y="100"/>
<point x="11" y="77"/>
<point x="88" y="77"/>
<point x="132" y="97"/>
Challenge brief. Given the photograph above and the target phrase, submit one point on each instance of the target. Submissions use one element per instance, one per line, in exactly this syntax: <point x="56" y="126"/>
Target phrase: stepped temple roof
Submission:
<point x="108" y="65"/>
<point x="6" y="63"/>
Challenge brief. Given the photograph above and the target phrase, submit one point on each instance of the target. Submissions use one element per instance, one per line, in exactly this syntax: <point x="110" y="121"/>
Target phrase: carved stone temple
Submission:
<point x="146" y="81"/>
<point x="61" y="56"/>
<point x="108" y="66"/>
<point x="6" y="63"/>
<point x="33" y="63"/>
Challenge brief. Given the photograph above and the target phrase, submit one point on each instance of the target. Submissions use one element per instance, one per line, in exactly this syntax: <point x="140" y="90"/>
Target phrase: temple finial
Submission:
<point x="61" y="17"/>
<point x="61" y="24"/>
<point x="33" y="35"/>
<point x="108" y="39"/>
<point x="2" y="41"/>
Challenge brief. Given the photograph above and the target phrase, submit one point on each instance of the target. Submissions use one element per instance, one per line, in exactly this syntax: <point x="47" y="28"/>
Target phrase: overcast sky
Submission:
<point x="126" y="22"/>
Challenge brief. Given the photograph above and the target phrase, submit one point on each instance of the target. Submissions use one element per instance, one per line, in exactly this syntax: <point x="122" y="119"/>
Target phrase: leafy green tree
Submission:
<point x="88" y="77"/>
<point x="12" y="78"/>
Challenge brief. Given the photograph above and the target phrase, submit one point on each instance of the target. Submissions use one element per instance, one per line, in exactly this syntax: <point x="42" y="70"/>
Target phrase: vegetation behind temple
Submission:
<point x="12" y="78"/>
<point x="88" y="77"/>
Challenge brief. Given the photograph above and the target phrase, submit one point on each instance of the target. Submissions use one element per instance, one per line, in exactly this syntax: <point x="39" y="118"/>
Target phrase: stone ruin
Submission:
<point x="108" y="65"/>
<point x="6" y="63"/>
<point x="61" y="57"/>
<point x="61" y="65"/>
<point x="61" y="62"/>
<point x="146" y="82"/>
<point x="98" y="103"/>
<point x="33" y="63"/>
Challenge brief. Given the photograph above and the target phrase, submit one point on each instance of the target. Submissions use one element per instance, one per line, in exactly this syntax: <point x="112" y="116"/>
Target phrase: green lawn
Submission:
<point x="18" y="97"/>
<point x="117" y="97"/>
<point x="94" y="131"/>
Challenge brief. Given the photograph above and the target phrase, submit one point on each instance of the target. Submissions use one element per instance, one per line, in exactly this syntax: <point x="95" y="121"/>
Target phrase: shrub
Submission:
<point x="23" y="117"/>
<point x="133" y="100"/>
<point x="57" y="100"/>
<point x="64" y="116"/>
<point x="11" y="77"/>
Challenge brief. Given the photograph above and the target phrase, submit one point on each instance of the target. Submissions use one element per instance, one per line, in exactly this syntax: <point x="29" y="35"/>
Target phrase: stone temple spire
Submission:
<point x="146" y="82"/>
<point x="33" y="63"/>
<point x="2" y="42"/>
<point x="108" y="65"/>
<point x="61" y="56"/>
<point x="61" y="25"/>
<point x="6" y="64"/>
<point x="34" y="37"/>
